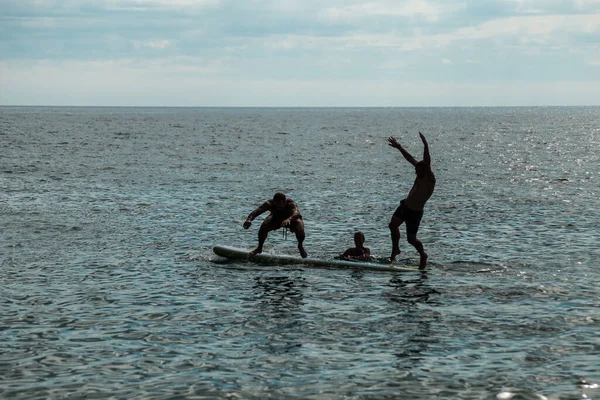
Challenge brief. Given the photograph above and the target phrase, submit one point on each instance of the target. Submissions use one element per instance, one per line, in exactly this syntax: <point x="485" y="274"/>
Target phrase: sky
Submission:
<point x="300" y="53"/>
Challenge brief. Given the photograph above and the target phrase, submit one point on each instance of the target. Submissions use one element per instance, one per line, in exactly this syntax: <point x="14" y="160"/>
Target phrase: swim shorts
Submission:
<point x="412" y="218"/>
<point x="275" y="221"/>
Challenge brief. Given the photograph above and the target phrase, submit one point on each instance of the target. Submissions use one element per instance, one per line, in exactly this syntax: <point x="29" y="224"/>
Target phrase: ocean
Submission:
<point x="109" y="287"/>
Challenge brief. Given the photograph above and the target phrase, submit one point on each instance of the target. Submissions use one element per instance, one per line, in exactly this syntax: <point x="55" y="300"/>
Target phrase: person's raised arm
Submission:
<point x="264" y="207"/>
<point x="394" y="143"/>
<point x="426" y="155"/>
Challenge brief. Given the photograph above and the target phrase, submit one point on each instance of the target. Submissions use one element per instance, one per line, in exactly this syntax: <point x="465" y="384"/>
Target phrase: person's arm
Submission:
<point x="345" y="255"/>
<point x="426" y="155"/>
<point x="367" y="254"/>
<point x="394" y="143"/>
<point x="264" y="207"/>
<point x="293" y="213"/>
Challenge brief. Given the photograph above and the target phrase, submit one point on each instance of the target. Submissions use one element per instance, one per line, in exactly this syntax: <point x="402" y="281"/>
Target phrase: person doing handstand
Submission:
<point x="410" y="209"/>
<point x="284" y="214"/>
<point x="357" y="253"/>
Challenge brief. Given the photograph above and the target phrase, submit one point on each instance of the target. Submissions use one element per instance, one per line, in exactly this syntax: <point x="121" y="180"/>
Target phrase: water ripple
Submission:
<point x="109" y="287"/>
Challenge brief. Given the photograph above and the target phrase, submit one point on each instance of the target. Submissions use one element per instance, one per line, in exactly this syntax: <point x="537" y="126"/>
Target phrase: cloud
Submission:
<point x="554" y="6"/>
<point x="160" y="4"/>
<point x="154" y="44"/>
<point x="176" y="3"/>
<point x="534" y="26"/>
<point x="146" y="42"/>
<point x="124" y="83"/>
<point x="525" y="31"/>
<point x="393" y="64"/>
<point x="413" y="8"/>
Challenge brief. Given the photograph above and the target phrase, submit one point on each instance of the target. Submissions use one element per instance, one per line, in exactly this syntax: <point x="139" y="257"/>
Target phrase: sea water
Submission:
<point x="109" y="287"/>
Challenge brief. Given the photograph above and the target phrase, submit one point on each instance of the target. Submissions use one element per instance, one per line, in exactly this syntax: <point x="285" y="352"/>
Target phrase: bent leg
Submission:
<point x="297" y="226"/>
<point x="394" y="226"/>
<point x="263" y="232"/>
<point x="412" y="239"/>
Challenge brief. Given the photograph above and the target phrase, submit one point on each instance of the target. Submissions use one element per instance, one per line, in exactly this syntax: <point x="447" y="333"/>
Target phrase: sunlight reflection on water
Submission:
<point x="109" y="286"/>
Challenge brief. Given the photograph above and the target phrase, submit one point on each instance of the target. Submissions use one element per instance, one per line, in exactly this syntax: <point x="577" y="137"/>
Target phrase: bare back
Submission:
<point x="421" y="191"/>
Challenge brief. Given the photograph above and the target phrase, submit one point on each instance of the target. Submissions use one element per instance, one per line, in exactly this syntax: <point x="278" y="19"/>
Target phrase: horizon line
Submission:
<point x="216" y="106"/>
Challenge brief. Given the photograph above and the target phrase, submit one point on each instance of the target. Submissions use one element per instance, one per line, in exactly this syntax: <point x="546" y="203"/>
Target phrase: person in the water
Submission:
<point x="284" y="213"/>
<point x="359" y="252"/>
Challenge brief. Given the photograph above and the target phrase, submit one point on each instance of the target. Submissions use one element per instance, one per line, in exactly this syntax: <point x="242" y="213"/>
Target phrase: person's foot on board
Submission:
<point x="393" y="256"/>
<point x="303" y="253"/>
<point x="423" y="262"/>
<point x="256" y="251"/>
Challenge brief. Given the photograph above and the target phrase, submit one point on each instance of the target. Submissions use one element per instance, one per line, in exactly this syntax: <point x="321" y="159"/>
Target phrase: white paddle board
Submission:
<point x="243" y="254"/>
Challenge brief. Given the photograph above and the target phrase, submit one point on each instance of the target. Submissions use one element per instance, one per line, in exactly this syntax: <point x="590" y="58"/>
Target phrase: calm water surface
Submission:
<point x="109" y="287"/>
